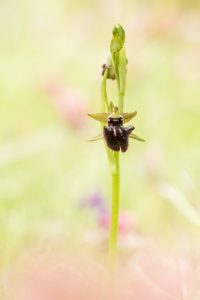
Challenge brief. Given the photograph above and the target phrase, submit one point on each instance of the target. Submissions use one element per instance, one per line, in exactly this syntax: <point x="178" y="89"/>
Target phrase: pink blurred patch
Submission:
<point x="70" y="104"/>
<point x="126" y="222"/>
<point x="55" y="278"/>
<point x="156" y="276"/>
<point x="149" y="274"/>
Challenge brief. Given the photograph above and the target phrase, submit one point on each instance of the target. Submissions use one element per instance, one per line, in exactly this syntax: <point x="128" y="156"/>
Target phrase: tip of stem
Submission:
<point x="119" y="33"/>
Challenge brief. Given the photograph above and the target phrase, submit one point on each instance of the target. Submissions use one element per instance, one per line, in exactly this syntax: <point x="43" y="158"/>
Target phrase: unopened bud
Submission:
<point x="118" y="38"/>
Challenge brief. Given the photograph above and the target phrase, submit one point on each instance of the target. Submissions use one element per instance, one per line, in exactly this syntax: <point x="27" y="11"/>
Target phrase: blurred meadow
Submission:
<point x="54" y="186"/>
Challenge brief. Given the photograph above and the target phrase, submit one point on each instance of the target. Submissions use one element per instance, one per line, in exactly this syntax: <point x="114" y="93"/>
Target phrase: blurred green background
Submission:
<point x="50" y="75"/>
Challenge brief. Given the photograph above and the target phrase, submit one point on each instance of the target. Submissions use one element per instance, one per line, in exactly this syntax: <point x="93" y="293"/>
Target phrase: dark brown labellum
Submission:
<point x="116" y="135"/>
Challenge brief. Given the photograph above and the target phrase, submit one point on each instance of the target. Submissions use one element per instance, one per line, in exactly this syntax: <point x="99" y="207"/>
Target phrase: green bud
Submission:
<point x="118" y="38"/>
<point x="122" y="69"/>
<point x="119" y="32"/>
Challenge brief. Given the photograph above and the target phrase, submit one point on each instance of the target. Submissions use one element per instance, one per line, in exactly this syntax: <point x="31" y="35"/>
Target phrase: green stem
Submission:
<point x="114" y="214"/>
<point x="119" y="62"/>
<point x="104" y="98"/>
<point x="105" y="107"/>
<point x="113" y="158"/>
<point x="121" y="102"/>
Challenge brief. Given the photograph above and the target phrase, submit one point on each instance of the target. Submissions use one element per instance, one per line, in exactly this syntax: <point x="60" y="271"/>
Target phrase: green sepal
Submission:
<point x="135" y="137"/>
<point x="101" y="117"/>
<point x="128" y="116"/>
<point x="96" y="138"/>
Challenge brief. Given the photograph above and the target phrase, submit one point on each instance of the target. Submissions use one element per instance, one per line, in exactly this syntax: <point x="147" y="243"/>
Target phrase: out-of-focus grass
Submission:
<point x="46" y="167"/>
